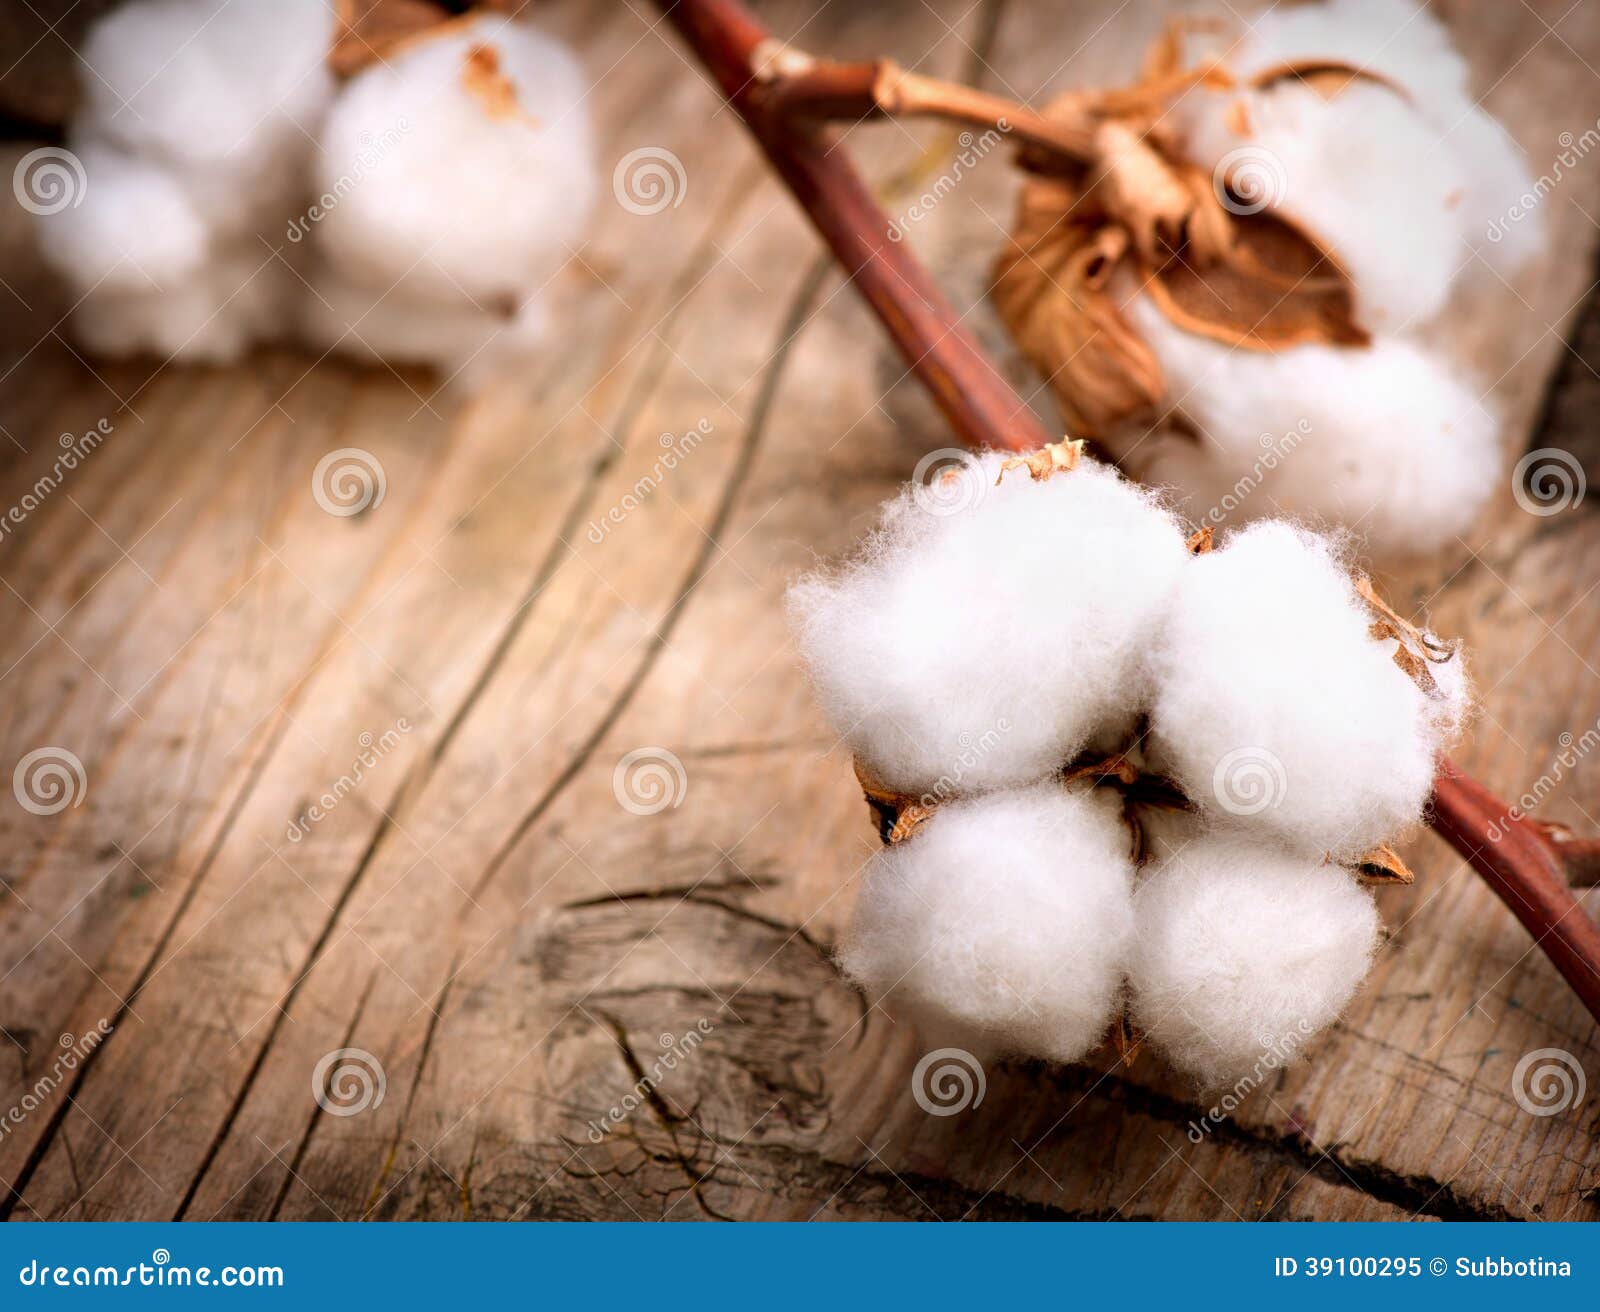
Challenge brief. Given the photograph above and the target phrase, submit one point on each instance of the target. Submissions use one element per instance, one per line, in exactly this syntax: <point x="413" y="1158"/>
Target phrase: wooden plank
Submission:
<point x="517" y="950"/>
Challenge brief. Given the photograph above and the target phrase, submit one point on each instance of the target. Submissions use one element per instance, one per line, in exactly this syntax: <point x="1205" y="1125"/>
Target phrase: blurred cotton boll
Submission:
<point x="238" y="193"/>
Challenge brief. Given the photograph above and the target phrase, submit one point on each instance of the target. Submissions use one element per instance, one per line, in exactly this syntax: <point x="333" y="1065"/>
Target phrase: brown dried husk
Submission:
<point x="1256" y="281"/>
<point x="369" y="31"/>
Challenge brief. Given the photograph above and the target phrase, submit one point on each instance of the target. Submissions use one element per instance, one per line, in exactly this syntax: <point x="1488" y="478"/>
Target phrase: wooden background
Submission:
<point x="480" y="915"/>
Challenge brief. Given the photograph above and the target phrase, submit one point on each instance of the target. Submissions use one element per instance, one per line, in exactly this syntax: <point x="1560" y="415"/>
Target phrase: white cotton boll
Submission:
<point x="1397" y="40"/>
<point x="986" y="632"/>
<point x="445" y="194"/>
<point x="242" y="296"/>
<point x="454" y="336"/>
<point x="1275" y="708"/>
<point x="1499" y="214"/>
<point x="133" y="230"/>
<point x="1242" y="954"/>
<point x="1003" y="923"/>
<point x="210" y="85"/>
<point x="1363" y="172"/>
<point x="1385" y="439"/>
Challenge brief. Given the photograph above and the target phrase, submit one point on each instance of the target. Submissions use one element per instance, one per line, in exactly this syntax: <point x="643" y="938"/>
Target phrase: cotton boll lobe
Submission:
<point x="1002" y="924"/>
<point x="981" y="642"/>
<point x="220" y="85"/>
<point x="1277" y="712"/>
<point x="1241" y="954"/>
<point x="1386" y="440"/>
<point x="1363" y="171"/>
<point x="134" y="229"/>
<point x="475" y="164"/>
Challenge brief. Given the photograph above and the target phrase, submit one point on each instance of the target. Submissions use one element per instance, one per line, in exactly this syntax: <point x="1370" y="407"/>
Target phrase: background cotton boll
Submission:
<point x="488" y="178"/>
<point x="1364" y="172"/>
<point x="980" y="640"/>
<point x="1241" y="954"/>
<point x="387" y="324"/>
<point x="134" y="230"/>
<point x="1496" y="219"/>
<point x="1385" y="439"/>
<point x="1276" y="710"/>
<point x="224" y="84"/>
<point x="243" y="295"/>
<point x="1003" y="922"/>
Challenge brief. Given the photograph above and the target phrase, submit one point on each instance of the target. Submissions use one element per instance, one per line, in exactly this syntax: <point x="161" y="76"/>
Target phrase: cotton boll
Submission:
<point x="1003" y="923"/>
<point x="487" y="175"/>
<point x="242" y="296"/>
<point x="1364" y="172"/>
<point x="133" y="230"/>
<point x="454" y="335"/>
<point x="986" y="632"/>
<point x="1241" y="955"/>
<point x="1499" y="184"/>
<point x="1276" y="711"/>
<point x="220" y="85"/>
<point x="1385" y="439"/>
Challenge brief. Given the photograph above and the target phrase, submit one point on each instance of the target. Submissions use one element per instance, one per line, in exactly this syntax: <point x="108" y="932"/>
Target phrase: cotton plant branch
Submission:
<point x="785" y="98"/>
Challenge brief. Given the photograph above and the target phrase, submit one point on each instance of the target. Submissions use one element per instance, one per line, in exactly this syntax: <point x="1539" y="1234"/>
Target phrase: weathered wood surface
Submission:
<point x="482" y="916"/>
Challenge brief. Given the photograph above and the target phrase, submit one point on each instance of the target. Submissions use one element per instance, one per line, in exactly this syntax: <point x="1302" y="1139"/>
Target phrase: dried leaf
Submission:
<point x="487" y="83"/>
<point x="898" y="815"/>
<point x="1383" y="865"/>
<point x="1052" y="458"/>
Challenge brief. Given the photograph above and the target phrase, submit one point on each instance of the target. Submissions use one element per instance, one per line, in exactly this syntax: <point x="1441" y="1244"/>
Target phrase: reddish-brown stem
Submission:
<point x="1518" y="862"/>
<point x="1524" y="862"/>
<point x="826" y="89"/>
<point x="980" y="405"/>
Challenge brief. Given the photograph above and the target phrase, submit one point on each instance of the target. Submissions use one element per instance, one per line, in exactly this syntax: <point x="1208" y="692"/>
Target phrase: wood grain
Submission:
<point x="485" y="920"/>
